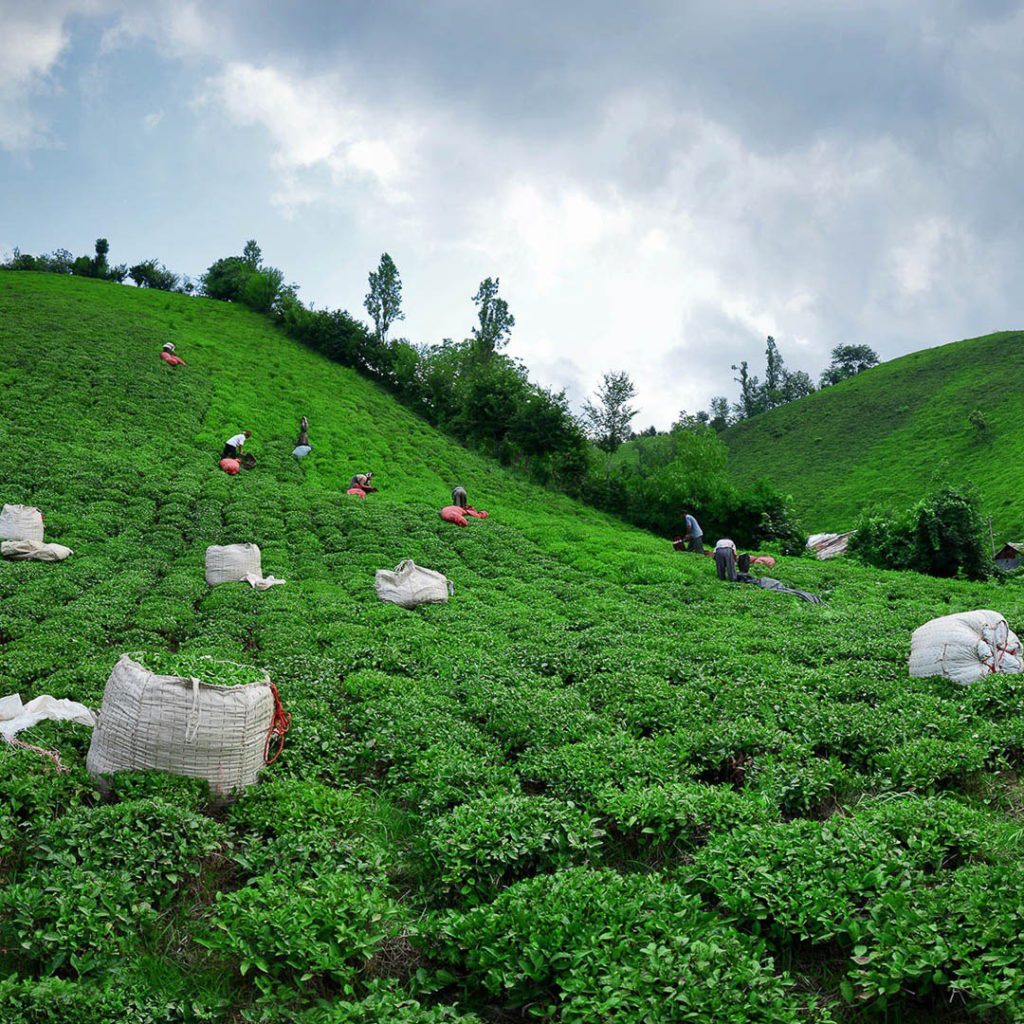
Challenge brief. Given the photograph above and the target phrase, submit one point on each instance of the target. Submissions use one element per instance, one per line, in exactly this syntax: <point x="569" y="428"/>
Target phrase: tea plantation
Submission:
<point x="597" y="785"/>
<point x="897" y="431"/>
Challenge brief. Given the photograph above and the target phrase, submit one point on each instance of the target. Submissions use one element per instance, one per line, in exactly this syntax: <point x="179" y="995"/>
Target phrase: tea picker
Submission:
<point x="302" y="446"/>
<point x="234" y="444"/>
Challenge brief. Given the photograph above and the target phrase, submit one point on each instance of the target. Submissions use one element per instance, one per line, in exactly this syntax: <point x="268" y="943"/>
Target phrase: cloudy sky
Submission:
<point x="659" y="184"/>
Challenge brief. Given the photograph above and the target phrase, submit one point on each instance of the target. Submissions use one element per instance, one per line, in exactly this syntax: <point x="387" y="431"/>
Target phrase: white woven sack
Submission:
<point x="34" y="550"/>
<point x="966" y="647"/>
<point x="21" y="522"/>
<point x="183" y="726"/>
<point x="231" y="563"/>
<point x="410" y="585"/>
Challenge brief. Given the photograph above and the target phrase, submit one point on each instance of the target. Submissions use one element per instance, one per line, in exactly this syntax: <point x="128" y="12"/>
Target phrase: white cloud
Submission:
<point x="316" y="123"/>
<point x="32" y="40"/>
<point x="151" y="121"/>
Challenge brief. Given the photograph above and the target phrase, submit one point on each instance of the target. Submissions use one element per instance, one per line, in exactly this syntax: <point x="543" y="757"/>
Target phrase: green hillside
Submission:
<point x="597" y="785"/>
<point x="893" y="433"/>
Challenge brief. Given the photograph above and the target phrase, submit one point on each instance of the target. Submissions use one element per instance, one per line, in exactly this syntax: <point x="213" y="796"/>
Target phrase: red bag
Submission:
<point x="453" y="514"/>
<point x="357" y="492"/>
<point x="171" y="359"/>
<point x="470" y="511"/>
<point x="763" y="560"/>
<point x="230" y="466"/>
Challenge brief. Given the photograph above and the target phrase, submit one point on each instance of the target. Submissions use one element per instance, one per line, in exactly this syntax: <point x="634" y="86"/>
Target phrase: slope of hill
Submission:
<point x="596" y="785"/>
<point x="897" y="431"/>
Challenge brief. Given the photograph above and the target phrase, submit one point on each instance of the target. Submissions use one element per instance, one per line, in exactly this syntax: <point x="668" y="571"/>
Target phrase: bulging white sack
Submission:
<point x="33" y="550"/>
<point x="183" y="726"/>
<point x="21" y="522"/>
<point x="410" y="585"/>
<point x="966" y="647"/>
<point x="231" y="563"/>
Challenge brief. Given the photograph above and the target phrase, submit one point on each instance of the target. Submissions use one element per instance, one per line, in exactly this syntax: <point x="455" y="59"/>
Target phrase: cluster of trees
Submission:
<point x="780" y="385"/>
<point x="941" y="535"/>
<point x="61" y="261"/>
<point x="147" y="274"/>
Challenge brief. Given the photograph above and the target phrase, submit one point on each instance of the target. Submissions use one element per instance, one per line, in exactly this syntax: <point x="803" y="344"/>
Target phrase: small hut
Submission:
<point x="1009" y="556"/>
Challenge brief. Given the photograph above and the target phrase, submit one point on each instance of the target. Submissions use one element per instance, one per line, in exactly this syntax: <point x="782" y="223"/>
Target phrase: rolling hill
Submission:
<point x="597" y="784"/>
<point x="896" y="432"/>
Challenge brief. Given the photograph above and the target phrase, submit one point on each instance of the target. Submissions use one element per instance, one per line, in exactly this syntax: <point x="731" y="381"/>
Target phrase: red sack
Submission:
<point x="230" y="466"/>
<point x="357" y="492"/>
<point x="470" y="511"/>
<point x="171" y="359"/>
<point x="453" y="514"/>
<point x="763" y="560"/>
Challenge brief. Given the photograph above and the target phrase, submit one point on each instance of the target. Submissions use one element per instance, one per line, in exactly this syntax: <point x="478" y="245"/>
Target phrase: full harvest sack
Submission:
<point x="231" y="563"/>
<point x="183" y="726"/>
<point x="21" y="522"/>
<point x="33" y="551"/>
<point x="410" y="585"/>
<point x="966" y="647"/>
<point x="300" y="451"/>
<point x="454" y="514"/>
<point x="230" y="466"/>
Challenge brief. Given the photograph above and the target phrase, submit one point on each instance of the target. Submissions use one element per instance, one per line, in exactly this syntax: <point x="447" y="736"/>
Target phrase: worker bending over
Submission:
<point x="459" y="497"/>
<point x="233" y="445"/>
<point x="725" y="559"/>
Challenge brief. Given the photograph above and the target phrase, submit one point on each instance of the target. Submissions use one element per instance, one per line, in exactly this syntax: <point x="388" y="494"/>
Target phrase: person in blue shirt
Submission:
<point x="694" y="535"/>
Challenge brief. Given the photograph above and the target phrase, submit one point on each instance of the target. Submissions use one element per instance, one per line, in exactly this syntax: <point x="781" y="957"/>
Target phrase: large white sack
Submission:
<point x="21" y="522"/>
<point x="34" y="551"/>
<point x="966" y="647"/>
<point x="183" y="726"/>
<point x="410" y="585"/>
<point x="231" y="563"/>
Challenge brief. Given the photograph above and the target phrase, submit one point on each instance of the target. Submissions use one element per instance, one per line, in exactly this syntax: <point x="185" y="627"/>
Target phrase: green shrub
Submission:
<point x="484" y="844"/>
<point x="680" y="816"/>
<point x="586" y="945"/>
<point x="306" y="828"/>
<point x="287" y="933"/>
<point x="153" y="844"/>
<point x="941" y="535"/>
<point x="965" y="935"/>
<point x="384" y="1004"/>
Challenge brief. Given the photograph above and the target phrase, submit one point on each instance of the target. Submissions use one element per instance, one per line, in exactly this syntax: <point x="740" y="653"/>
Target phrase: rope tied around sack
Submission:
<point x="279" y="725"/>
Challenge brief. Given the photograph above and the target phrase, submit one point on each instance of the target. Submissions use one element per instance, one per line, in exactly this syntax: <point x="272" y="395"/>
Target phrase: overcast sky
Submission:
<point x="658" y="185"/>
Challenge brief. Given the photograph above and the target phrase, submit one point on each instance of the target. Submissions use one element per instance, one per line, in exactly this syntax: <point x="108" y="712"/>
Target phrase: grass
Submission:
<point x="597" y="784"/>
<point x="897" y="431"/>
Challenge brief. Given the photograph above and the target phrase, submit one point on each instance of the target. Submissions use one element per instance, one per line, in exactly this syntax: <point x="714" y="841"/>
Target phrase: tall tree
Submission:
<point x="774" y="375"/>
<point x="848" y="361"/>
<point x="750" y="392"/>
<point x="607" y="421"/>
<point x="252" y="256"/>
<point x="496" y="322"/>
<point x="384" y="299"/>
<point x="720" y="414"/>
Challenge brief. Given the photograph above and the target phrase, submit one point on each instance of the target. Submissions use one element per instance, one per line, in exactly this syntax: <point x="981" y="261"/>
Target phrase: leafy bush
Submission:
<point x="595" y="945"/>
<point x="385" y="1004"/>
<point x="288" y="933"/>
<point x="940" y="535"/>
<point x="484" y="844"/>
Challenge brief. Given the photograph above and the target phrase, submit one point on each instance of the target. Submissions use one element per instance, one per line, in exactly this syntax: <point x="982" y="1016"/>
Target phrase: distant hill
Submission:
<point x="893" y="433"/>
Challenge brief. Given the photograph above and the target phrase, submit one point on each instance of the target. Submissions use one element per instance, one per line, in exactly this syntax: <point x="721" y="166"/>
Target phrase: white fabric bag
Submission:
<point x="410" y="585"/>
<point x="966" y="647"/>
<point x="21" y="522"/>
<point x="183" y="726"/>
<point x="15" y="716"/>
<point x="33" y="550"/>
<point x="231" y="563"/>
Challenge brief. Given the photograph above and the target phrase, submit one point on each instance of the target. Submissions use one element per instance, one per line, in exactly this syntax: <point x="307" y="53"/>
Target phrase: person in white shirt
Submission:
<point x="233" y="445"/>
<point x="725" y="559"/>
